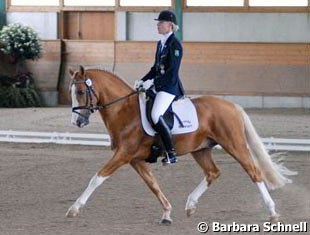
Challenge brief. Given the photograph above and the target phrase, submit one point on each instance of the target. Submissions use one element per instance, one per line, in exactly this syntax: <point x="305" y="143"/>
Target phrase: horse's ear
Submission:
<point x="71" y="72"/>
<point x="82" y="70"/>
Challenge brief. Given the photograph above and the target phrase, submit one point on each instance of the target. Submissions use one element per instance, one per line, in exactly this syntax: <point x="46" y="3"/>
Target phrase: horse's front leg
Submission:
<point x="144" y="171"/>
<point x="118" y="160"/>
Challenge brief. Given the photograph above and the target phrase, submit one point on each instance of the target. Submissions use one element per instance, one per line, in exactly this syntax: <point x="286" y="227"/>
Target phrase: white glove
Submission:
<point x="148" y="83"/>
<point x="138" y="84"/>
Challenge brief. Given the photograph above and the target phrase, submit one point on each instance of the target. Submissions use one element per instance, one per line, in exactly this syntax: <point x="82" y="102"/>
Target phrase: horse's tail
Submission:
<point x="273" y="173"/>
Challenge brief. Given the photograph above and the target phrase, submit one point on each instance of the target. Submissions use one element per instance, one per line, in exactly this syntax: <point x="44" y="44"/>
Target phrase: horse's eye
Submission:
<point x="80" y="92"/>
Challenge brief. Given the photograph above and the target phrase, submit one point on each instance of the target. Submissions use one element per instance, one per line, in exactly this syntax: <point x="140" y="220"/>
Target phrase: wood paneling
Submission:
<point x="251" y="79"/>
<point x="228" y="68"/>
<point x="246" y="53"/>
<point x="135" y="51"/>
<point x="207" y="68"/>
<point x="88" y="51"/>
<point x="89" y="25"/>
<point x="90" y="54"/>
<point x="246" y="69"/>
<point x="226" y="53"/>
<point x="46" y="69"/>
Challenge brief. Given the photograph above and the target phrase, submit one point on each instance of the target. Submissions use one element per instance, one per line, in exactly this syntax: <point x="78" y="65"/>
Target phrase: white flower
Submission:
<point x="20" y="41"/>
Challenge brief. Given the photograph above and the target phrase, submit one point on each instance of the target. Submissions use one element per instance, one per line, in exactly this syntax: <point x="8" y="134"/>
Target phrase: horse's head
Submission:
<point x="84" y="99"/>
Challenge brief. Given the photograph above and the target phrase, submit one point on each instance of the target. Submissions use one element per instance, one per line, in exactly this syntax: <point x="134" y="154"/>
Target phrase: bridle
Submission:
<point x="90" y="93"/>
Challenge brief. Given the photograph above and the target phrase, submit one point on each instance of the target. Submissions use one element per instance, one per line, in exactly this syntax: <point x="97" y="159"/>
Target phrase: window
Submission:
<point x="286" y="3"/>
<point x="145" y="3"/>
<point x="35" y="2"/>
<point x="89" y="2"/>
<point x="217" y="3"/>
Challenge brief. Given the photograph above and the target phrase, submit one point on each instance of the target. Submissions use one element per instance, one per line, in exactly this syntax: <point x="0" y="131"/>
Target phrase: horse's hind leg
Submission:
<point x="204" y="160"/>
<point x="238" y="149"/>
<point x="144" y="171"/>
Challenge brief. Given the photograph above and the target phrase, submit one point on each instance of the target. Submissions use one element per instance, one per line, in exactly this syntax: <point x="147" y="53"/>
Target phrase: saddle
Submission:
<point x="168" y="115"/>
<point x="181" y="118"/>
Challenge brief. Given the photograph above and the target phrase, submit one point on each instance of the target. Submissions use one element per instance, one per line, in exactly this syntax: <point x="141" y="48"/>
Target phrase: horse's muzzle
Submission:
<point x="82" y="121"/>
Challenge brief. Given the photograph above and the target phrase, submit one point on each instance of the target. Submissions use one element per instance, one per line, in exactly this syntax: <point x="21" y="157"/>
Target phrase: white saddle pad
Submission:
<point x="185" y="110"/>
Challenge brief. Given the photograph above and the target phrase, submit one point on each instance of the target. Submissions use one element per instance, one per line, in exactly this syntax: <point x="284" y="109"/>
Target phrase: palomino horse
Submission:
<point x="220" y="122"/>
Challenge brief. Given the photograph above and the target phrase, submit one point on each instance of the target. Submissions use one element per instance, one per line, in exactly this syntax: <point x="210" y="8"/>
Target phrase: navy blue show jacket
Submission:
<point x="165" y="70"/>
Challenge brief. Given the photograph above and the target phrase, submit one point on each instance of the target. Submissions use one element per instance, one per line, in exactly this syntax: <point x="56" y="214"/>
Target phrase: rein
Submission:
<point x="104" y="106"/>
<point x="89" y="92"/>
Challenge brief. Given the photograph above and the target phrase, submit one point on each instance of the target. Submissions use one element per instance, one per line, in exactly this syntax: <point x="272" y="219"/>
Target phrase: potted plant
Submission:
<point x="20" y="43"/>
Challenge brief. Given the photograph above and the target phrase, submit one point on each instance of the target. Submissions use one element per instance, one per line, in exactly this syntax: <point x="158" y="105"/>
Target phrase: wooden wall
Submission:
<point x="228" y="68"/>
<point x="46" y="69"/>
<point x="88" y="25"/>
<point x="207" y="68"/>
<point x="263" y="69"/>
<point x="91" y="54"/>
<point x="247" y="69"/>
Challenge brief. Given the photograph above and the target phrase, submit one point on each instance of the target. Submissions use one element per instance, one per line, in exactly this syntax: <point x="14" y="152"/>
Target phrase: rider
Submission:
<point x="167" y="83"/>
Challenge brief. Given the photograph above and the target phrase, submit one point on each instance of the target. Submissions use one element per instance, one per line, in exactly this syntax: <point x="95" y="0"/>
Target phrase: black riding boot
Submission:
<point x="165" y="134"/>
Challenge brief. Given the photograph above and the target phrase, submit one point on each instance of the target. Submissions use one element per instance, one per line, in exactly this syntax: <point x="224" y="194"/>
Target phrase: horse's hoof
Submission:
<point x="274" y="218"/>
<point x="190" y="212"/>
<point x="166" y="222"/>
<point x="72" y="212"/>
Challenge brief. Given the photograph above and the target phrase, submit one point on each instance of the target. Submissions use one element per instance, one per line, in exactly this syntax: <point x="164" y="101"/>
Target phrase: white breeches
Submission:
<point x="161" y="104"/>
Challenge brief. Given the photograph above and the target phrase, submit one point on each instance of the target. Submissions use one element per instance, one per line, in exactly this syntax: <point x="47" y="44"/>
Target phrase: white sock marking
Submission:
<point x="194" y="196"/>
<point x="95" y="182"/>
<point x="266" y="197"/>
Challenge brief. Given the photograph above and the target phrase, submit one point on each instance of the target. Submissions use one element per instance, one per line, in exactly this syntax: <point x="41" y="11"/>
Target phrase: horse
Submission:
<point x="220" y="121"/>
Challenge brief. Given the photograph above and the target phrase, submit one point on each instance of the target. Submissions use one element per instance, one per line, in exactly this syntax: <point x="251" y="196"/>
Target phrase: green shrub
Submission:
<point x="18" y="92"/>
<point x="20" y="43"/>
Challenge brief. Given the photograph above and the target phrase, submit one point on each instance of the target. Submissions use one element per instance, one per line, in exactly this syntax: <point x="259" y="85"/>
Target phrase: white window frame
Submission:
<point x="34" y="2"/>
<point x="89" y="3"/>
<point x="278" y="3"/>
<point x="157" y="5"/>
<point x="215" y="3"/>
<point x="145" y="3"/>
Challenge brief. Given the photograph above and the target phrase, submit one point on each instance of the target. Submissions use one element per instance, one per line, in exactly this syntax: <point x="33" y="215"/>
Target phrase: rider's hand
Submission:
<point x="138" y="84"/>
<point x="148" y="84"/>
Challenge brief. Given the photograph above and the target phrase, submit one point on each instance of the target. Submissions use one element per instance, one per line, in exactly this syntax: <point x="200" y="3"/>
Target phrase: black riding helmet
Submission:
<point x="167" y="16"/>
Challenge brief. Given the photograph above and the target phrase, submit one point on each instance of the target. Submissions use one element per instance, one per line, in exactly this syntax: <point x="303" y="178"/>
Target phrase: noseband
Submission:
<point x="89" y="97"/>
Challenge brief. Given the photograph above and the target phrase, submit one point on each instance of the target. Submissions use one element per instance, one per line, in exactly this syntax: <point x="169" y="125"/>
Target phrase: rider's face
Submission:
<point x="164" y="27"/>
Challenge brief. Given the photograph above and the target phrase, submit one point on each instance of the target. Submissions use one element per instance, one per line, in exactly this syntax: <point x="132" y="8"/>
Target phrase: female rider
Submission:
<point x="165" y="73"/>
